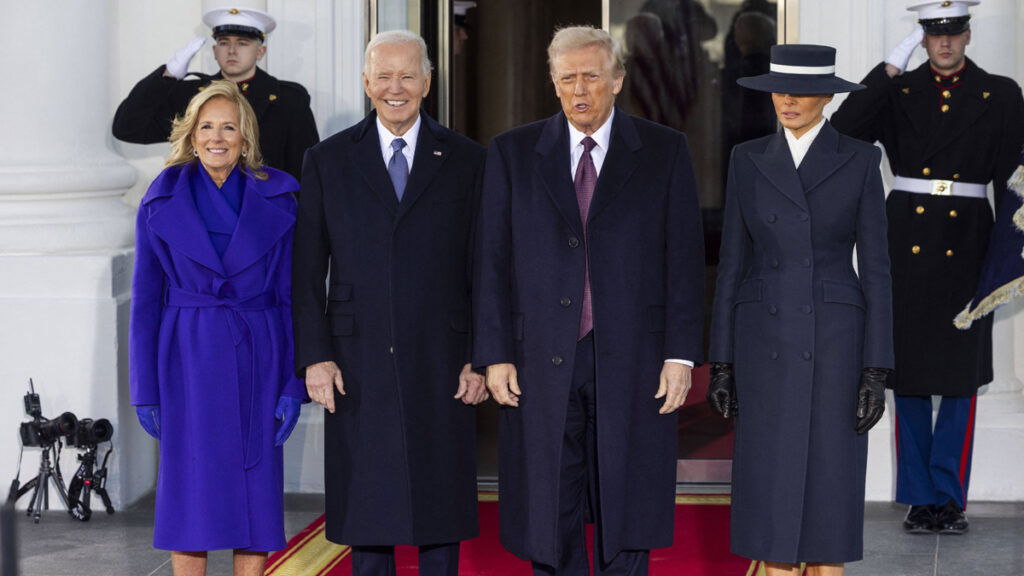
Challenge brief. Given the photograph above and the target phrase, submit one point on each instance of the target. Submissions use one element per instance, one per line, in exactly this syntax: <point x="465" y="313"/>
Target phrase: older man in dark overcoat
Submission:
<point x="386" y="207"/>
<point x="588" y="308"/>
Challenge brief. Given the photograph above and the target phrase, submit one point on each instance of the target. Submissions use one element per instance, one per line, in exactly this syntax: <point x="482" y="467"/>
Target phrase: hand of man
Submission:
<point x="149" y="418"/>
<point x="287" y="412"/>
<point x="721" y="394"/>
<point x="674" y="386"/>
<point x="177" y="66"/>
<point x="900" y="55"/>
<point x="870" y="398"/>
<point x="321" y="380"/>
<point x="503" y="383"/>
<point x="471" y="387"/>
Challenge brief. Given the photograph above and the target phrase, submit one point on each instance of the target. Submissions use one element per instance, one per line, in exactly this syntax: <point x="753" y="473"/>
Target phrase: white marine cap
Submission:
<point x="942" y="8"/>
<point x="239" y="21"/>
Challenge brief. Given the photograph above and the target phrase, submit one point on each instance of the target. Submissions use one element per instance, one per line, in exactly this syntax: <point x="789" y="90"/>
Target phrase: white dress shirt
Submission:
<point x="602" y="137"/>
<point x="386" y="138"/>
<point x="798" y="147"/>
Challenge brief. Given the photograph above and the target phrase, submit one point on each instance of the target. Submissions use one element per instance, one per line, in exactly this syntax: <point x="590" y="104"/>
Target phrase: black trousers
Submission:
<point x="435" y="560"/>
<point x="579" y="487"/>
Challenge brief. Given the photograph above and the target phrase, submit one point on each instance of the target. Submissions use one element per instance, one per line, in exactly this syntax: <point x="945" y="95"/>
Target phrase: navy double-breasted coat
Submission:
<point x="399" y="450"/>
<point x="799" y="324"/>
<point x="646" y="259"/>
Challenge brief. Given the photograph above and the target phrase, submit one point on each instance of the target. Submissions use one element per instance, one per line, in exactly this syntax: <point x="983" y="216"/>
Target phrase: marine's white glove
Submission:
<point x="900" y="55"/>
<point x="177" y="66"/>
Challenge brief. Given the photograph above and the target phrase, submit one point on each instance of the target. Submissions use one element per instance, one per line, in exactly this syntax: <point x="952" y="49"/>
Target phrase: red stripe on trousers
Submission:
<point x="965" y="453"/>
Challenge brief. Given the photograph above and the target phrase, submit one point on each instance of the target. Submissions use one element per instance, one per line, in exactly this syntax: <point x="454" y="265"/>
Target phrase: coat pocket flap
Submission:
<point x="749" y="291"/>
<point x="843" y="294"/>
<point x="340" y="292"/>
<point x="342" y="324"/>
<point x="459" y="320"/>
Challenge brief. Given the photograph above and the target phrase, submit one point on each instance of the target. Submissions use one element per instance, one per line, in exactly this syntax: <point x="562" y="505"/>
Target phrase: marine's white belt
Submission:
<point x="939" y="187"/>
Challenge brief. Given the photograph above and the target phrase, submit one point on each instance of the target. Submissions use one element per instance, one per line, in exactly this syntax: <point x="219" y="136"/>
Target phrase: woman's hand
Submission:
<point x="721" y="394"/>
<point x="870" y="398"/>
<point x="287" y="412"/>
<point x="149" y="418"/>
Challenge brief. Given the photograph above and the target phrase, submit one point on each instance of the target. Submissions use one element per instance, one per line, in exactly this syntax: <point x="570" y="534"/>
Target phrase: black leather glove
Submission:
<point x="870" y="398"/>
<point x="722" y="390"/>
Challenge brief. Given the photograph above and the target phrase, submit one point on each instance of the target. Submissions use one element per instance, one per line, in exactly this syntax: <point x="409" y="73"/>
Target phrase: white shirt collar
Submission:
<point x="798" y="147"/>
<point x="602" y="136"/>
<point x="410" y="137"/>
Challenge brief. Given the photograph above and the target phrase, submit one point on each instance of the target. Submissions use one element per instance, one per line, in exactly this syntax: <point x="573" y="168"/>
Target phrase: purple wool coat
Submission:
<point x="211" y="343"/>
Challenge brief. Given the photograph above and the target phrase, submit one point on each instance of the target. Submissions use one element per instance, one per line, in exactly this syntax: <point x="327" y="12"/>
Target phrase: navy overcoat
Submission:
<point x="400" y="461"/>
<point x="646" y="258"/>
<point x="210" y="342"/>
<point x="799" y="324"/>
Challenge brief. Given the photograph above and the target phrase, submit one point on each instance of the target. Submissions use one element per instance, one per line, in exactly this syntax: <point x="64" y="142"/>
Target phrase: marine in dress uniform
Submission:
<point x="949" y="128"/>
<point x="287" y="126"/>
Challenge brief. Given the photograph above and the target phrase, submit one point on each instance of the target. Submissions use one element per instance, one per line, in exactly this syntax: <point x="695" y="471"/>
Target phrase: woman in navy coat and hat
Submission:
<point x="801" y="340"/>
<point x="211" y="342"/>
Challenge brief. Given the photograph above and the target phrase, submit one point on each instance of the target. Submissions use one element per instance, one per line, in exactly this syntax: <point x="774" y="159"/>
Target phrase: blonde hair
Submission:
<point x="182" y="151"/>
<point x="576" y="37"/>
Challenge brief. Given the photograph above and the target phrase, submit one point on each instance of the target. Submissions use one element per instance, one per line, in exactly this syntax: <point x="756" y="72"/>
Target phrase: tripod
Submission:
<point x="86" y="481"/>
<point x="39" y="485"/>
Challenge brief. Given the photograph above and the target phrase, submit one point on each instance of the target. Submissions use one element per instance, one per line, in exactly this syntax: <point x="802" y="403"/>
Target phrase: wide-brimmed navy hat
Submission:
<point x="800" y="69"/>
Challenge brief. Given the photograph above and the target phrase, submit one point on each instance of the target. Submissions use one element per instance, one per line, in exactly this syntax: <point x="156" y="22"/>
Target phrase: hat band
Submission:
<point x="816" y="70"/>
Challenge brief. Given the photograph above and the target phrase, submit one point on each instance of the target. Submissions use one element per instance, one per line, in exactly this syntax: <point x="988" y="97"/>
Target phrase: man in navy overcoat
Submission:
<point x="588" y="310"/>
<point x="386" y="207"/>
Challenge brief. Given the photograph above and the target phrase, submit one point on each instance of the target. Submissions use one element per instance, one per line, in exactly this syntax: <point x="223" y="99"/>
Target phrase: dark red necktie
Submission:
<point x="585" y="181"/>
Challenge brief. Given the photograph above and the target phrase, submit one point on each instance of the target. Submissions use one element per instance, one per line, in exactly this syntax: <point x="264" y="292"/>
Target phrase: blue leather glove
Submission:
<point x="149" y="418"/>
<point x="287" y="412"/>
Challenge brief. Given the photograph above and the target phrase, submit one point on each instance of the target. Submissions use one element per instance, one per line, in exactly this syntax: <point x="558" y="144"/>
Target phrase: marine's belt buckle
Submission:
<point x="942" y="187"/>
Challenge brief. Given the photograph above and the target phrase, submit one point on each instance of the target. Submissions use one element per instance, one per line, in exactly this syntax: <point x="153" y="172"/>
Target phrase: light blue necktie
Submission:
<point x="398" y="167"/>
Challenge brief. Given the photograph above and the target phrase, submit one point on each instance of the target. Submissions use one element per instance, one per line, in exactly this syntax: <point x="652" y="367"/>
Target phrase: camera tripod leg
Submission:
<point x="102" y="493"/>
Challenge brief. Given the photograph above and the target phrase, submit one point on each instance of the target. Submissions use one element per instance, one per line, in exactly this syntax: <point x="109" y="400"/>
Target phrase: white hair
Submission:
<point x="576" y="37"/>
<point x="392" y="37"/>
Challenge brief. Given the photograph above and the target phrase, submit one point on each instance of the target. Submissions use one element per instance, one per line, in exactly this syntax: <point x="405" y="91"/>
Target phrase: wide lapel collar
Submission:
<point x="553" y="169"/>
<point x="178" y="223"/>
<point x="916" y="96"/>
<point x="369" y="161"/>
<point x="776" y="163"/>
<point x="974" y="102"/>
<point x="264" y="91"/>
<point x="260" y="225"/>
<point x="822" y="159"/>
<point x="431" y="152"/>
<point x="619" y="163"/>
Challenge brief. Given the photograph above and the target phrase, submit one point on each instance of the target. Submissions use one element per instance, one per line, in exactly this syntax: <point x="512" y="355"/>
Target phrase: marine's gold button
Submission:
<point x="938" y="78"/>
<point x="945" y="108"/>
<point x="956" y="78"/>
<point x="947" y="94"/>
<point x="953" y="214"/>
<point x="927" y="171"/>
<point x="956" y="176"/>
<point x="949" y="253"/>
<point x="919" y="209"/>
<point x="272" y="97"/>
<point x="946" y="4"/>
<point x="916" y="249"/>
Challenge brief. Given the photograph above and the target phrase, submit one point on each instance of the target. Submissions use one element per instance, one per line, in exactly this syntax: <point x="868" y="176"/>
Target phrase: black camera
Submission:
<point x="43" y="432"/>
<point x="92" y="432"/>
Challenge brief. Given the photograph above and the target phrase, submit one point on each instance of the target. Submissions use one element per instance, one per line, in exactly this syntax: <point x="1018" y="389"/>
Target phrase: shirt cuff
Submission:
<point x="678" y="361"/>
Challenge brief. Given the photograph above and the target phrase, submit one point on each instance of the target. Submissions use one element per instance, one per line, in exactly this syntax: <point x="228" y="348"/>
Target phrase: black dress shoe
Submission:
<point x="920" y="520"/>
<point x="951" y="519"/>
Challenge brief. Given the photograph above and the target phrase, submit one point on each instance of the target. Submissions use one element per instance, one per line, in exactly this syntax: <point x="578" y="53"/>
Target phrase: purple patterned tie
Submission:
<point x="585" y="181"/>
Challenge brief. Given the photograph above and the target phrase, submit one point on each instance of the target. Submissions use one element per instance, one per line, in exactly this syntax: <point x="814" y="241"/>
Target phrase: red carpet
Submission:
<point x="701" y="547"/>
<point x="702" y="433"/>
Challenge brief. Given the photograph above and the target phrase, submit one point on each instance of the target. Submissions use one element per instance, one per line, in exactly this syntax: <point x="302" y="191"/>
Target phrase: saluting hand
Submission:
<point x="177" y="66"/>
<point x="503" y="383"/>
<point x="674" y="386"/>
<point x="471" y="387"/>
<point x="322" y="379"/>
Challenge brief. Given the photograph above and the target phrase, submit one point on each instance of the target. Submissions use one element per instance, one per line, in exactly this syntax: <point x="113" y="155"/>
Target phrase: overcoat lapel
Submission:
<point x="916" y="97"/>
<point x="823" y="159"/>
<point x="431" y="152"/>
<point x="177" y="222"/>
<point x="553" y="169"/>
<point x="260" y="226"/>
<point x="776" y="163"/>
<point x="367" y="158"/>
<point x="619" y="163"/>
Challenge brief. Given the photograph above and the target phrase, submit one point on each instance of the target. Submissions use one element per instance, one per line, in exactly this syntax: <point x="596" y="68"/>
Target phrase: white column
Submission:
<point x="65" y="235"/>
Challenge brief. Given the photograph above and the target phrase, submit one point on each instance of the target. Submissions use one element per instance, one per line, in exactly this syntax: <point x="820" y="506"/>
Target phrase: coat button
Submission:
<point x="806" y="355"/>
<point x="949" y="253"/>
<point x="805" y="309"/>
<point x="926" y="171"/>
<point x="945" y="108"/>
<point x="773" y="310"/>
<point x="806" y="262"/>
<point x="802" y="217"/>
<point x="775" y="263"/>
<point x="574" y="242"/>
<point x="772" y="218"/>
<point x="565" y="302"/>
<point x="391" y="349"/>
<point x="956" y="176"/>
<point x="557" y="360"/>
<point x="774" y="355"/>
<point x="919" y="209"/>
<point x="947" y="94"/>
<point x="953" y="214"/>
<point x="915" y="249"/>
